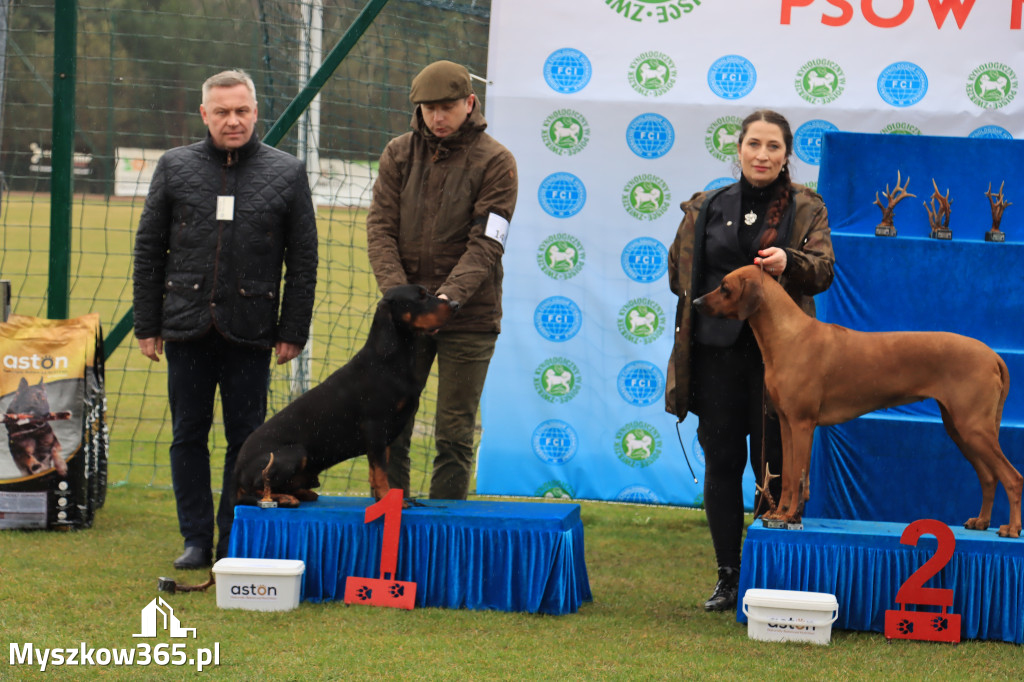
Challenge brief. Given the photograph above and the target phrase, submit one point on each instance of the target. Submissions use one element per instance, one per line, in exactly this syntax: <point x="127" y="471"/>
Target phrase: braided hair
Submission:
<point x="778" y="204"/>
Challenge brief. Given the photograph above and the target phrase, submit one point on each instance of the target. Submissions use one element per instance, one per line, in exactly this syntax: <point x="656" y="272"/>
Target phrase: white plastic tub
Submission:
<point x="790" y="616"/>
<point x="259" y="584"/>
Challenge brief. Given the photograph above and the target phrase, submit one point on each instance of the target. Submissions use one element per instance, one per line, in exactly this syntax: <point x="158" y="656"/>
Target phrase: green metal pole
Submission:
<point x="331" y="62"/>
<point x="283" y="124"/>
<point x="62" y="160"/>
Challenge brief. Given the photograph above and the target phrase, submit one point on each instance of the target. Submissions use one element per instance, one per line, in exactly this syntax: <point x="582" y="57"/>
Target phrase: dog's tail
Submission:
<point x="1004" y="375"/>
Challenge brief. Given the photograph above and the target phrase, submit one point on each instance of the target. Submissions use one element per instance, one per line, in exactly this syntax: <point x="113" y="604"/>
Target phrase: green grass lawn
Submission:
<point x="650" y="570"/>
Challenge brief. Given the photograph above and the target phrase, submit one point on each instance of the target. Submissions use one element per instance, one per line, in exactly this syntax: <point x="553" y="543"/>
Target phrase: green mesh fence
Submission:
<point x="139" y="71"/>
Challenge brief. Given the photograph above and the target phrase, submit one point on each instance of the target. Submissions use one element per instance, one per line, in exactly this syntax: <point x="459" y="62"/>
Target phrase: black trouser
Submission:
<point x="727" y="394"/>
<point x="194" y="371"/>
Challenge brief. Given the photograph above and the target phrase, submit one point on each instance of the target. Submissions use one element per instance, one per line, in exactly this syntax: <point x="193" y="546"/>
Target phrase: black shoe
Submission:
<point x="726" y="591"/>
<point x="193" y="557"/>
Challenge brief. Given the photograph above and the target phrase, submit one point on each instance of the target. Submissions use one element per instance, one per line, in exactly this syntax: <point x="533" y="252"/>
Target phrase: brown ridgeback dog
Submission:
<point x="817" y="373"/>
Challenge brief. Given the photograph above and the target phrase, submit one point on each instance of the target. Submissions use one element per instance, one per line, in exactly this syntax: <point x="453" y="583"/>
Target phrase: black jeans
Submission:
<point x="728" y="385"/>
<point x="194" y="371"/>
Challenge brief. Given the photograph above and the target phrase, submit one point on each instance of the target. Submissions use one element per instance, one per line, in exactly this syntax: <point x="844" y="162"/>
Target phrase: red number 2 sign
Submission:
<point x="925" y="625"/>
<point x="384" y="591"/>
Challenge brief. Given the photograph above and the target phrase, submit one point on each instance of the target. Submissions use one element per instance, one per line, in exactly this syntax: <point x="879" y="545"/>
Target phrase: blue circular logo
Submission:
<point x="558" y="318"/>
<point x="641" y="383"/>
<point x="719" y="182"/>
<point x="562" y="195"/>
<point x="732" y="77"/>
<point x="638" y="494"/>
<point x="902" y="84"/>
<point x="991" y="133"/>
<point x="644" y="259"/>
<point x="650" y="136"/>
<point x="567" y="70"/>
<point x="807" y="140"/>
<point x="554" y="441"/>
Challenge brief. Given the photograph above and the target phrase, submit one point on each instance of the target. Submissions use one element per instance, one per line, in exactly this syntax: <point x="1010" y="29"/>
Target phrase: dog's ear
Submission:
<point x="385" y="331"/>
<point x="750" y="296"/>
<point x="23" y="384"/>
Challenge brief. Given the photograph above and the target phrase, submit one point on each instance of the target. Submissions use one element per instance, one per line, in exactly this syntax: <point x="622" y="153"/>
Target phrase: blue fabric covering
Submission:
<point x="864" y="565"/>
<point x="505" y="556"/>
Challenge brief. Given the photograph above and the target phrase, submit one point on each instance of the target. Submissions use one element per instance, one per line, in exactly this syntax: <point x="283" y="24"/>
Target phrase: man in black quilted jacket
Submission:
<point x="222" y="219"/>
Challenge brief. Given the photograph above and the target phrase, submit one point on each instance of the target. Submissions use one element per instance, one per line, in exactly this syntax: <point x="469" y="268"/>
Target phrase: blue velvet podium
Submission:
<point x="864" y="564"/>
<point x="505" y="556"/>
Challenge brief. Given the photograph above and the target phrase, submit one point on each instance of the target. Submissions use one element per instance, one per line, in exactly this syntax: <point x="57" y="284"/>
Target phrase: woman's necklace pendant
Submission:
<point x="750" y="218"/>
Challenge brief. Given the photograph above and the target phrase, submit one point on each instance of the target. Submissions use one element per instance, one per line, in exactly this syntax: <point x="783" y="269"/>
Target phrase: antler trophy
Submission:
<point x="999" y="205"/>
<point x="886" y="227"/>
<point x="939" y="217"/>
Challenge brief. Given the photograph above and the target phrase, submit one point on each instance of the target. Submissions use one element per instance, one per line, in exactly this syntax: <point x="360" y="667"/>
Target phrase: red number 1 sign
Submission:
<point x="384" y="591"/>
<point x="925" y="625"/>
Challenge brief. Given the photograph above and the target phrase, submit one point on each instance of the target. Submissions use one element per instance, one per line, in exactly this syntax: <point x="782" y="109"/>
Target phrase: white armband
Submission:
<point x="497" y="228"/>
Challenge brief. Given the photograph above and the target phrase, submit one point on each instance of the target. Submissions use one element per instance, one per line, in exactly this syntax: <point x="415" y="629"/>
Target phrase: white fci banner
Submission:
<point x="618" y="110"/>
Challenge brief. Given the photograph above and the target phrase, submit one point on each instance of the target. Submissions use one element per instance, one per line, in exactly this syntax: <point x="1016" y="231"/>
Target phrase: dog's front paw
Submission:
<point x="977" y="523"/>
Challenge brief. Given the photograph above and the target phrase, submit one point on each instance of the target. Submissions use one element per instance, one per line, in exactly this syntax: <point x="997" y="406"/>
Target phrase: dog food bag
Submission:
<point x="53" y="448"/>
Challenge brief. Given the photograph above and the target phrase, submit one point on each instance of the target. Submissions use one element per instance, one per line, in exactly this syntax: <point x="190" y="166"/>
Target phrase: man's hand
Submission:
<point x="152" y="348"/>
<point x="286" y="351"/>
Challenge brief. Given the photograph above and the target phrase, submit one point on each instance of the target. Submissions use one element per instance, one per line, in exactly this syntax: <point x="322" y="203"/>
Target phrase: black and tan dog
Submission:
<point x="33" y="444"/>
<point x="357" y="410"/>
<point x="823" y="374"/>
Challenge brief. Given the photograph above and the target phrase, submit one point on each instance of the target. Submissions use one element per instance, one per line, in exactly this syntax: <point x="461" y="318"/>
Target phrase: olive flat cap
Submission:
<point x="441" y="81"/>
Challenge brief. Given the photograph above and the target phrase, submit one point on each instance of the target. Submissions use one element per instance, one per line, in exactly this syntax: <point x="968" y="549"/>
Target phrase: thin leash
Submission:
<point x="679" y="435"/>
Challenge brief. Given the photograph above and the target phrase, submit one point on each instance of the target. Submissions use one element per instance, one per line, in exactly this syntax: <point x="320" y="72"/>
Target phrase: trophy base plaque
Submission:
<point x="781" y="525"/>
<point x="942" y="234"/>
<point x="885" y="231"/>
<point x="995" y="236"/>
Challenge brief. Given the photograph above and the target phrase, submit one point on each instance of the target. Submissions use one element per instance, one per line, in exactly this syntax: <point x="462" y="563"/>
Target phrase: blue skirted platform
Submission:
<point x="864" y="564"/>
<point x="505" y="556"/>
